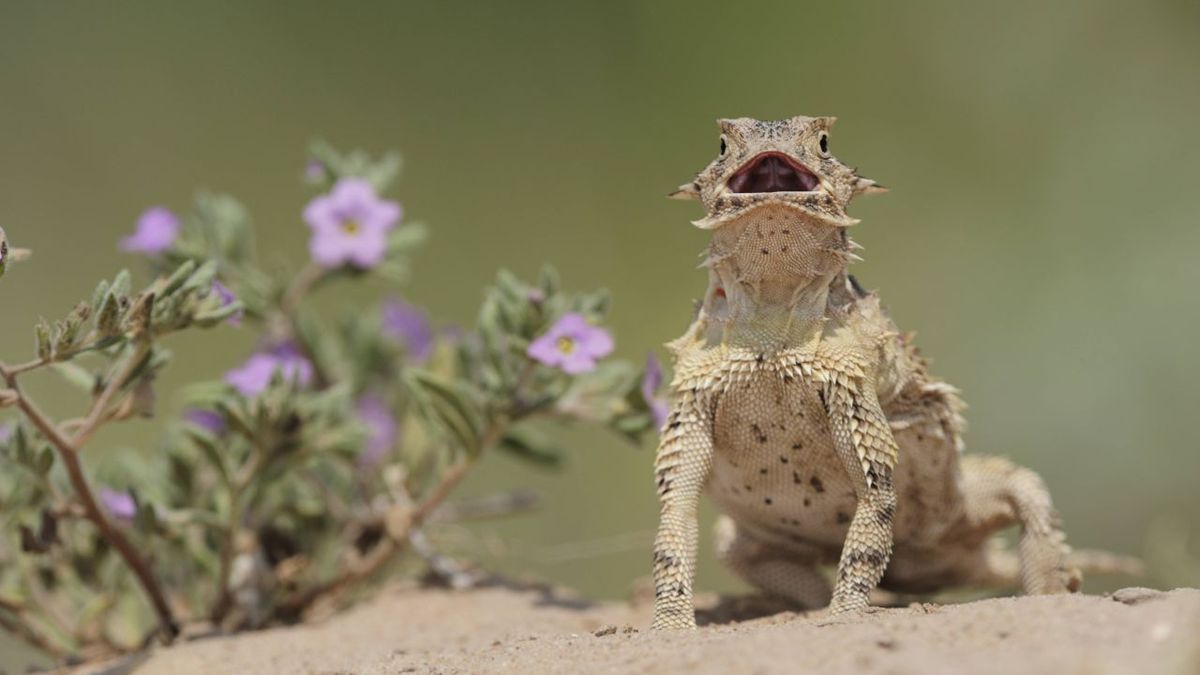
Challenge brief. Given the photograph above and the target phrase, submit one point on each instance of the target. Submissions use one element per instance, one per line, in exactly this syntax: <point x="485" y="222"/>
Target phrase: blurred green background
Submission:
<point x="1041" y="233"/>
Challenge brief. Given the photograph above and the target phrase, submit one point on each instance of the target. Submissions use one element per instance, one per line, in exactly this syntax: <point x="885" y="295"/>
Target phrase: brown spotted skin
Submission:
<point x="813" y="424"/>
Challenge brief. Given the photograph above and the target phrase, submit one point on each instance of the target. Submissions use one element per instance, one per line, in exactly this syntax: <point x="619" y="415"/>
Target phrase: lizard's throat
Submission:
<point x="776" y="259"/>
<point x="770" y="278"/>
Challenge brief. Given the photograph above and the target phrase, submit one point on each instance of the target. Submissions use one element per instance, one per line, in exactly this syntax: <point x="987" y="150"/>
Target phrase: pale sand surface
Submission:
<point x="510" y="629"/>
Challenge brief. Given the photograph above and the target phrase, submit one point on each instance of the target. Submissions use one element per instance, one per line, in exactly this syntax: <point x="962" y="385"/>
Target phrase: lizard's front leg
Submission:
<point x="682" y="466"/>
<point x="864" y="443"/>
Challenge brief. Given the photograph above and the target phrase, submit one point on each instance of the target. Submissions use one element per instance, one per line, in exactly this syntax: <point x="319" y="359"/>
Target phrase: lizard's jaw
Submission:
<point x="773" y="172"/>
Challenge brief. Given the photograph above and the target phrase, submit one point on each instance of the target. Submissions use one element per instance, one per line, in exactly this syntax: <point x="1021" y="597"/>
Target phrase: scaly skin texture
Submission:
<point x="812" y="422"/>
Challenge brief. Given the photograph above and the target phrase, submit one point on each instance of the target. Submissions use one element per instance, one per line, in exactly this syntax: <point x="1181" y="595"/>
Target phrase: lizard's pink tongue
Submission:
<point x="770" y="173"/>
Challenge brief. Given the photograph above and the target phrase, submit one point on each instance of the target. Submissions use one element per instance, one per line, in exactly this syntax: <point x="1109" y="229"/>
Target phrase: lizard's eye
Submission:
<point x="824" y="144"/>
<point x="722" y="145"/>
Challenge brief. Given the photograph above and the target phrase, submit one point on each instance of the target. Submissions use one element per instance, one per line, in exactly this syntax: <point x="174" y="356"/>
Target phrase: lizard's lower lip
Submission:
<point x="773" y="172"/>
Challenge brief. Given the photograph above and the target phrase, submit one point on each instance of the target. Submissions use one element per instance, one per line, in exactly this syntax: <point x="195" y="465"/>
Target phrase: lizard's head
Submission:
<point x="786" y="163"/>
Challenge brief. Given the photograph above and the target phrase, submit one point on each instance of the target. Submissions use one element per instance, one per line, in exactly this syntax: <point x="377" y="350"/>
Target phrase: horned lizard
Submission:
<point x="812" y="423"/>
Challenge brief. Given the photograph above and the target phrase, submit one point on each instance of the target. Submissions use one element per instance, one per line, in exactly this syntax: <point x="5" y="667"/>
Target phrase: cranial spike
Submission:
<point x="866" y="186"/>
<point x="685" y="191"/>
<point x="854" y="245"/>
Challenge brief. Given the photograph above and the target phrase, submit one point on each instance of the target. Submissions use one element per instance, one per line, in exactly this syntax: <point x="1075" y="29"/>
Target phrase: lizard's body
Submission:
<point x="810" y="421"/>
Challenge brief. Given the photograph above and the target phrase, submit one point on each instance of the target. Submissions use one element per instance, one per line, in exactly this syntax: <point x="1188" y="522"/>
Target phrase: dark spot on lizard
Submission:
<point x="816" y="483"/>
<point x="763" y="471"/>
<point x="842" y="518"/>
<point x="861" y="587"/>
<point x="886" y="514"/>
<point x="783" y="459"/>
<point x="796" y="478"/>
<point x="807" y="501"/>
<point x="767" y="501"/>
<point x="871" y="556"/>
<point x="759" y="435"/>
<point x="797" y="445"/>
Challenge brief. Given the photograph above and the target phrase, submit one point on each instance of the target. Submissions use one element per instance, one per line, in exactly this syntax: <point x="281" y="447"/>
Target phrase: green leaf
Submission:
<point x="44" y="461"/>
<point x="76" y="375"/>
<point x="210" y="448"/>
<point x="177" y="278"/>
<point x="447" y="405"/>
<point x="548" y="280"/>
<point x="406" y="237"/>
<point x="41" y="334"/>
<point x="201" y="279"/>
<point x="108" y="318"/>
<point x="215" y="316"/>
<point x="532" y="448"/>
<point x="122" y="283"/>
<point x="99" y="295"/>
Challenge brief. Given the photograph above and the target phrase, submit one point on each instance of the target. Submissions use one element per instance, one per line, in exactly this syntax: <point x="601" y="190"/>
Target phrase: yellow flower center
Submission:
<point x="350" y="227"/>
<point x="566" y="345"/>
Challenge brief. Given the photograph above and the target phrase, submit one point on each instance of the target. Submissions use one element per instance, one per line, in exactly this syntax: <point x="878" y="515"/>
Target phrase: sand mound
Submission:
<point x="506" y="629"/>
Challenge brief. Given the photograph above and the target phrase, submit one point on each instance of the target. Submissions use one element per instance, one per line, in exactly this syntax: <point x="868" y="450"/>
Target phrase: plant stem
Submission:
<point x="301" y="284"/>
<point x="90" y="342"/>
<point x="287" y="319"/>
<point x="115" y="383"/>
<point x="22" y="630"/>
<point x="395" y="542"/>
<point x="240" y="481"/>
<point x="69" y="454"/>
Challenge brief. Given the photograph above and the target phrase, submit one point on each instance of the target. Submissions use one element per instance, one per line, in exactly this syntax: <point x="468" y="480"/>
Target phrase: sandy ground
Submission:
<point x="510" y="629"/>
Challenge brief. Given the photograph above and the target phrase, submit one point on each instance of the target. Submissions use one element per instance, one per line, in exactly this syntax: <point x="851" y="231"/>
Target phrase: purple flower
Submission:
<point x="6" y="431"/>
<point x="571" y="344"/>
<point x="208" y="420"/>
<point x="314" y="171"/>
<point x="227" y="297"/>
<point x="409" y="325"/>
<point x="651" y="381"/>
<point x="253" y="377"/>
<point x="120" y="505"/>
<point x="157" y="229"/>
<point x="350" y="225"/>
<point x="374" y="412"/>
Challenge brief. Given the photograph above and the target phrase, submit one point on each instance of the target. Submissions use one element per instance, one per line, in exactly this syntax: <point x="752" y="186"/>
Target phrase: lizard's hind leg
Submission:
<point x="998" y="494"/>
<point x="777" y="571"/>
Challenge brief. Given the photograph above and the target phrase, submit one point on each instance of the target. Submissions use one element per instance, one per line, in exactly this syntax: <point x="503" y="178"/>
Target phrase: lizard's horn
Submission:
<point x="866" y="186"/>
<point x="685" y="191"/>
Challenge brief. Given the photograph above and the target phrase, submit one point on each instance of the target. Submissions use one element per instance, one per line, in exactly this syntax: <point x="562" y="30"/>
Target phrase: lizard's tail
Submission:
<point x="1003" y="569"/>
<point x="1090" y="561"/>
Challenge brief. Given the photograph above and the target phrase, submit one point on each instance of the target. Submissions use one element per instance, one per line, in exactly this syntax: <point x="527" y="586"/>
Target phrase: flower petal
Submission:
<point x="545" y="350"/>
<point x="578" y="362"/>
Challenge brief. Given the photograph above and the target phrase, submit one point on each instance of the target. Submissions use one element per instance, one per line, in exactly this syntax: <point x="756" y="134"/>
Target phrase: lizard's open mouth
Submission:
<point x="773" y="172"/>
